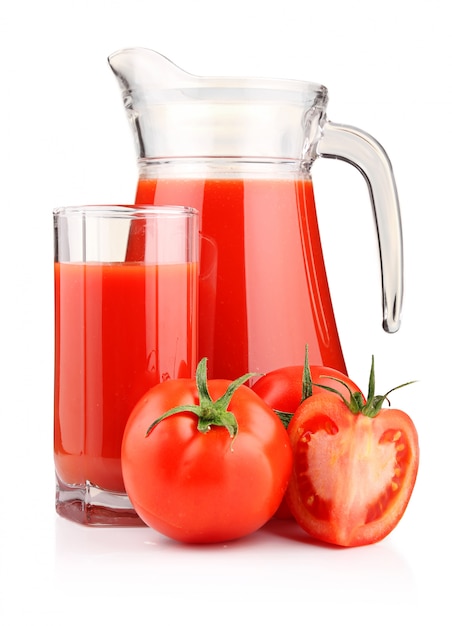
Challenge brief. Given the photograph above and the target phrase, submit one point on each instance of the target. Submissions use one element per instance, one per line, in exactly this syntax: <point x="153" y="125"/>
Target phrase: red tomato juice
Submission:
<point x="119" y="331"/>
<point x="263" y="292"/>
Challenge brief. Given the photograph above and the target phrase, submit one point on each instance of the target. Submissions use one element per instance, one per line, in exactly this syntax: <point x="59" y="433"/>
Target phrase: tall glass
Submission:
<point x="125" y="320"/>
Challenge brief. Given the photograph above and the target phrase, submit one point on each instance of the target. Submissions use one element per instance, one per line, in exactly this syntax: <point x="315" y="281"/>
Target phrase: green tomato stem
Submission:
<point x="209" y="412"/>
<point x="306" y="390"/>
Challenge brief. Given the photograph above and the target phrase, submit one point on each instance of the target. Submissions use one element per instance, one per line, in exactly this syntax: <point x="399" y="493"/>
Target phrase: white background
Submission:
<point x="64" y="139"/>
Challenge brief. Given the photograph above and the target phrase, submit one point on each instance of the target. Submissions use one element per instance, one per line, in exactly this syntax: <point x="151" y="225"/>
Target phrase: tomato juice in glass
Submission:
<point x="121" y="327"/>
<point x="263" y="292"/>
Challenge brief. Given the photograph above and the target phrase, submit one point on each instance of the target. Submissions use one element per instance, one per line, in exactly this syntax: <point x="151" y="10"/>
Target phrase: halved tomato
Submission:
<point x="354" y="470"/>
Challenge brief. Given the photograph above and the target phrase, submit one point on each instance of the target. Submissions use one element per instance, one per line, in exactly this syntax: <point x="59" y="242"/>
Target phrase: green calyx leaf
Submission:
<point x="356" y="403"/>
<point x="306" y="383"/>
<point x="284" y="417"/>
<point x="209" y="412"/>
<point x="374" y="403"/>
<point x="306" y="390"/>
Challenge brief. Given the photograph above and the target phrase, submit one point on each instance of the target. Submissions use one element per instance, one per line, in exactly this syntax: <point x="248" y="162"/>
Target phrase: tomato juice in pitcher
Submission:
<point x="240" y="150"/>
<point x="262" y="279"/>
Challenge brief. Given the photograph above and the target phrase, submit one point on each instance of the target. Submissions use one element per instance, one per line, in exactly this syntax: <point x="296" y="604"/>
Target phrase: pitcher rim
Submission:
<point x="225" y="82"/>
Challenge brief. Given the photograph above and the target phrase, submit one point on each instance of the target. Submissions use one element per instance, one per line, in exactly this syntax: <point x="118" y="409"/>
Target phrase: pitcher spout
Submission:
<point x="176" y="114"/>
<point x="142" y="69"/>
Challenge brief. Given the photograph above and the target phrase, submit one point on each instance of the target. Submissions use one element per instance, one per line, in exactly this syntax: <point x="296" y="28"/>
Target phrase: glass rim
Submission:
<point x="128" y="211"/>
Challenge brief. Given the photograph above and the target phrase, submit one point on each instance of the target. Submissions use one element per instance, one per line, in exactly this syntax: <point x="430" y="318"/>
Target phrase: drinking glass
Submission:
<point x="125" y="320"/>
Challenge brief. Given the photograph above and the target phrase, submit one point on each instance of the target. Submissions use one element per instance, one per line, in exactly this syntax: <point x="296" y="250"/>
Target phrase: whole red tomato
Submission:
<point x="284" y="389"/>
<point x="205" y="461"/>
<point x="355" y="466"/>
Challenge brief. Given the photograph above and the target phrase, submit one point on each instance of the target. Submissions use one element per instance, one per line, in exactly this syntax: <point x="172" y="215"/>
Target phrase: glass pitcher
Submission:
<point x="240" y="150"/>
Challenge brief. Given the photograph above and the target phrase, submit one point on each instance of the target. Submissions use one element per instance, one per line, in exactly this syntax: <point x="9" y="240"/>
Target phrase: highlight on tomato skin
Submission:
<point x="353" y="475"/>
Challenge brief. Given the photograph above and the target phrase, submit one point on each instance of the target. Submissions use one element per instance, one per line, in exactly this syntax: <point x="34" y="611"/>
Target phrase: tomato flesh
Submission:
<point x="353" y="475"/>
<point x="282" y="390"/>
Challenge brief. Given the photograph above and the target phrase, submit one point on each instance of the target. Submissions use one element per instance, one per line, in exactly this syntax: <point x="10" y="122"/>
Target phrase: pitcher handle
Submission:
<point x="361" y="150"/>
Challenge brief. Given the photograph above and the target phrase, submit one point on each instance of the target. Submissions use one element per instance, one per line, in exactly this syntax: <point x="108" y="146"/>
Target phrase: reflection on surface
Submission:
<point x="275" y="567"/>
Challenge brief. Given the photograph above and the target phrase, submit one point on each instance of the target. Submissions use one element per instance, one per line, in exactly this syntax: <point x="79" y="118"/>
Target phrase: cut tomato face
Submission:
<point x="353" y="475"/>
<point x="282" y="390"/>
